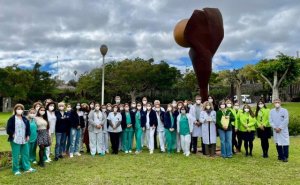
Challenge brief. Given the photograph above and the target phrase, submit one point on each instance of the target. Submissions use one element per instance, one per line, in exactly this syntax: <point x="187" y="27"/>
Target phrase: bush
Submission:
<point x="294" y="125"/>
<point x="5" y="159"/>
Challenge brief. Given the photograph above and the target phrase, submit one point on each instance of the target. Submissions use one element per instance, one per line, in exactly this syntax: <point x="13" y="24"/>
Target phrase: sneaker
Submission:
<point x="137" y="152"/>
<point x="130" y="151"/>
<point x="34" y="162"/>
<point x="126" y="152"/>
<point x="77" y="153"/>
<point x="17" y="173"/>
<point x="71" y="155"/>
<point x="61" y="156"/>
<point x="47" y="161"/>
<point x="151" y="151"/>
<point x="31" y="170"/>
<point x="107" y="151"/>
<point x="188" y="154"/>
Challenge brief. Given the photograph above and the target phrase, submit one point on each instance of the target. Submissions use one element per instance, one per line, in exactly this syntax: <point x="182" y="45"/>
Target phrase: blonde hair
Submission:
<point x="208" y="103"/>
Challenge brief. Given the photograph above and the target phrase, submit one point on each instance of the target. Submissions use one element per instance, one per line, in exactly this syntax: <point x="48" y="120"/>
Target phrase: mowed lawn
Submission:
<point x="166" y="169"/>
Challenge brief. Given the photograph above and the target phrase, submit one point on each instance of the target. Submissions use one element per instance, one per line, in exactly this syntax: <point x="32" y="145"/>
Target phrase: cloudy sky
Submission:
<point x="39" y="31"/>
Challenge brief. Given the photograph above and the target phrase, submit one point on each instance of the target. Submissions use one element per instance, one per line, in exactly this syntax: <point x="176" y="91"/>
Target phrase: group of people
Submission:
<point x="177" y="128"/>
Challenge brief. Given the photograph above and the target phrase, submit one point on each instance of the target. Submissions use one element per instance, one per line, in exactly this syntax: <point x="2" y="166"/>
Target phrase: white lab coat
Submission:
<point x="197" y="130"/>
<point x="209" y="134"/>
<point x="280" y="119"/>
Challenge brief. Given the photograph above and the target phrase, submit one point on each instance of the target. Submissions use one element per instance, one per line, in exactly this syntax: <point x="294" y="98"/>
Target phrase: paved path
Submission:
<point x="2" y="132"/>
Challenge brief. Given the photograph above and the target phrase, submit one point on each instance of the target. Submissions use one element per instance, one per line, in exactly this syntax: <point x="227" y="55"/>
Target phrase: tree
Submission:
<point x="278" y="72"/>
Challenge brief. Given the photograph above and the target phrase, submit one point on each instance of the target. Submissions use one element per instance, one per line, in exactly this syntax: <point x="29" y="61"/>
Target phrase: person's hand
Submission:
<point x="143" y="128"/>
<point x="235" y="130"/>
<point x="27" y="138"/>
<point x="262" y="127"/>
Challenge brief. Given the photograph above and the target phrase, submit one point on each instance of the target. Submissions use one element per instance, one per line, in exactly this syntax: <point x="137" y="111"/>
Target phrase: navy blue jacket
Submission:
<point x="76" y="120"/>
<point x="167" y="120"/>
<point x="152" y="116"/>
<point x="123" y="123"/>
<point x="62" y="122"/>
<point x="10" y="128"/>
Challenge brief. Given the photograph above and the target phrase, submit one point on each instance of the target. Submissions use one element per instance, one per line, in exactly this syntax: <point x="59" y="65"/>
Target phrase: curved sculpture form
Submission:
<point x="203" y="33"/>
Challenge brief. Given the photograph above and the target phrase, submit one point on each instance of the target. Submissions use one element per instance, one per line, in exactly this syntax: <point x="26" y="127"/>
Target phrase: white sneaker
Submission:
<point x="137" y="152"/>
<point x="34" y="162"/>
<point x="188" y="154"/>
<point x="126" y="152"/>
<point x="47" y="161"/>
<point x="31" y="170"/>
<point x="130" y="151"/>
<point x="71" y="155"/>
<point x="107" y="151"/>
<point x="77" y="153"/>
<point x="18" y="173"/>
<point x="151" y="151"/>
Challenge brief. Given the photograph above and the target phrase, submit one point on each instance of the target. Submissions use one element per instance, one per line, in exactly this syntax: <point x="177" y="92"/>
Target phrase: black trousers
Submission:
<point x="283" y="152"/>
<point x="114" y="139"/>
<point x="155" y="139"/>
<point x="239" y="140"/>
<point x="264" y="146"/>
<point x="234" y="141"/>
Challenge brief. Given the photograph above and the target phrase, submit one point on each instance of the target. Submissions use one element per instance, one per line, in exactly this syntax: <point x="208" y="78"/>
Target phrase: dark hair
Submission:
<point x="258" y="108"/>
<point x="38" y="112"/>
<point x="51" y="103"/>
<point x="74" y="108"/>
<point x="250" y="110"/>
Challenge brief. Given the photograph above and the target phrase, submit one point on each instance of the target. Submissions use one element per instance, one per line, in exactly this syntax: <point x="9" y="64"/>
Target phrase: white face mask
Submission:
<point x="183" y="111"/>
<point x="42" y="113"/>
<point x="210" y="100"/>
<point x="139" y="107"/>
<point x="126" y="108"/>
<point x="115" y="109"/>
<point x="19" y="112"/>
<point x="31" y="115"/>
<point x="261" y="105"/>
<point x="97" y="108"/>
<point x="229" y="105"/>
<point x="69" y="109"/>
<point x="121" y="108"/>
<point x="198" y="102"/>
<point x="51" y="108"/>
<point x="246" y="110"/>
<point x="157" y="109"/>
<point x="144" y="102"/>
<point x="118" y="101"/>
<point x="222" y="106"/>
<point x="236" y="107"/>
<point x="148" y="108"/>
<point x="61" y="108"/>
<point x="207" y="107"/>
<point x="169" y="108"/>
<point x="77" y="107"/>
<point x="133" y="105"/>
<point x="277" y="105"/>
<point x="37" y="108"/>
<point x="91" y="106"/>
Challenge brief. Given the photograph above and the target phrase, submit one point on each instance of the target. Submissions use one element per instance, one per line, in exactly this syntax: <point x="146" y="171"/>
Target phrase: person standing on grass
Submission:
<point x="96" y="127"/>
<point x="170" y="125"/>
<point x="33" y="135"/>
<point x="197" y="127"/>
<point x="114" y="120"/>
<point x="151" y="124"/>
<point x="18" y="130"/>
<point x="176" y="113"/>
<point x="236" y="113"/>
<point x="61" y="127"/>
<point x="77" y="122"/>
<point x="43" y="137"/>
<point x="105" y="132"/>
<point x="224" y="123"/>
<point x="160" y="127"/>
<point x="138" y="128"/>
<point x="248" y="126"/>
<point x="84" y="130"/>
<point x="279" y="120"/>
<point x="185" y="128"/>
<point x="264" y="130"/>
<point x="66" y="146"/>
<point x="128" y="122"/>
<point x="209" y="135"/>
<point x="233" y="112"/>
<point x="51" y="119"/>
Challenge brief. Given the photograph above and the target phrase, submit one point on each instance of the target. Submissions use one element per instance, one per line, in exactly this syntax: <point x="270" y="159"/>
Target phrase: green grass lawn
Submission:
<point x="4" y="117"/>
<point x="165" y="169"/>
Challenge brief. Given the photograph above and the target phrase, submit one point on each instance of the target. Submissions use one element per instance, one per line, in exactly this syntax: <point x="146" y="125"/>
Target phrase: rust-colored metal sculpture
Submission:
<point x="203" y="33"/>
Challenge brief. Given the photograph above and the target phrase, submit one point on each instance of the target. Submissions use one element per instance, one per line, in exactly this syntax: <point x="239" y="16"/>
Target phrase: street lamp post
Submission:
<point x="103" y="51"/>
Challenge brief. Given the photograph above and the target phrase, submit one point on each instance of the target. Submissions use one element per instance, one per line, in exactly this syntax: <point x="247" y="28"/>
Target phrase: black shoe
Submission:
<point x="81" y="151"/>
<point x="41" y="164"/>
<point x="246" y="154"/>
<point x="56" y="159"/>
<point x="61" y="156"/>
<point x="285" y="160"/>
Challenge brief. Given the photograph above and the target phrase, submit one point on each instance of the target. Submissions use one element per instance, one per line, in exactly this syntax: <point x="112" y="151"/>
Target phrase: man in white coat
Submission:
<point x="195" y="111"/>
<point x="279" y="120"/>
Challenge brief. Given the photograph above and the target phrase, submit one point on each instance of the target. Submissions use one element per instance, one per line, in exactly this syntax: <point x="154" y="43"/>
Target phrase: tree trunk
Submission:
<point x="132" y="95"/>
<point x="239" y="93"/>
<point x="275" y="88"/>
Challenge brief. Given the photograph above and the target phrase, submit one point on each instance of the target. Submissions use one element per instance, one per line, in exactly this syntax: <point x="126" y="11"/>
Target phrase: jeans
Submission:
<point x="75" y="137"/>
<point x="60" y="141"/>
<point x="226" y="142"/>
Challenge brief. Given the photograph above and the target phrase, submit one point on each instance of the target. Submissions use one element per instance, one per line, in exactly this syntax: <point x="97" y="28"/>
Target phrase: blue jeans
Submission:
<point x="60" y="141"/>
<point x="226" y="142"/>
<point x="75" y="137"/>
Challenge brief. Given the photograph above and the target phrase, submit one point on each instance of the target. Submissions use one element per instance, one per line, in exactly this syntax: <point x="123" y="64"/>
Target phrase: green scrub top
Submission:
<point x="138" y="120"/>
<point x="33" y="131"/>
<point x="128" y="121"/>
<point x="184" y="125"/>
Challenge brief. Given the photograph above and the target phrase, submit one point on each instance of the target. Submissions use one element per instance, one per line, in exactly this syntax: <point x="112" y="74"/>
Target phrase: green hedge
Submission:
<point x="294" y="125"/>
